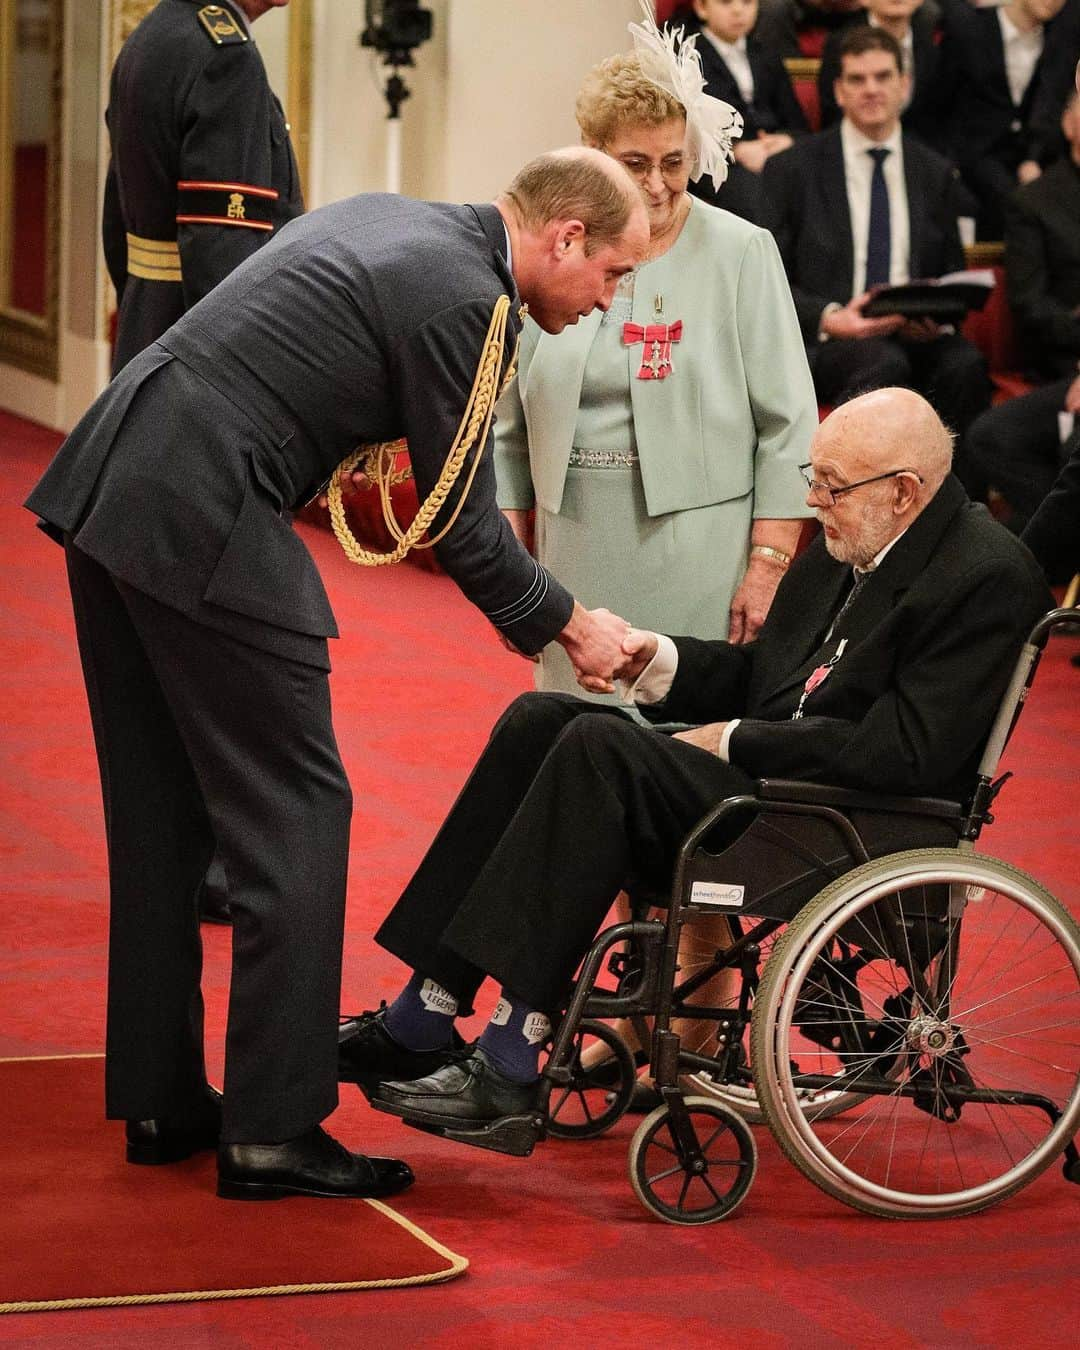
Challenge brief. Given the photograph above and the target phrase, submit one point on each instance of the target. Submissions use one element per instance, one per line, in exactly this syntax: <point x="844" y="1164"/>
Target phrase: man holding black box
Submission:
<point x="863" y="205"/>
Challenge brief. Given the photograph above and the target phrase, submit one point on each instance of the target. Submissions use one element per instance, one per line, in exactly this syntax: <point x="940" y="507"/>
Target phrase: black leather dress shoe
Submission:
<point x="155" y="1141"/>
<point x="368" y="1054"/>
<point x="313" y="1163"/>
<point x="469" y="1091"/>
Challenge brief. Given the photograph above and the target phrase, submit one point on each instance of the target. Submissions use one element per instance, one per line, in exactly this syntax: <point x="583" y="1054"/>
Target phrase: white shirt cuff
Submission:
<point x="655" y="681"/>
<point x="725" y="740"/>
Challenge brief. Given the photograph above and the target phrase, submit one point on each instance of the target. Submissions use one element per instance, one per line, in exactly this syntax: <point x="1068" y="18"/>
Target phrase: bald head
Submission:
<point x="893" y="436"/>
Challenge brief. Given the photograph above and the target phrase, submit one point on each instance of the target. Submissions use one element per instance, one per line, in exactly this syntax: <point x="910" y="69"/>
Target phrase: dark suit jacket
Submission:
<point x="922" y="116"/>
<point x="1053" y="532"/>
<point x="174" y="116"/>
<point x="1042" y="266"/>
<point x="775" y="106"/>
<point x="931" y="642"/>
<point x="981" y="121"/>
<point x="808" y="214"/>
<point x="357" y="323"/>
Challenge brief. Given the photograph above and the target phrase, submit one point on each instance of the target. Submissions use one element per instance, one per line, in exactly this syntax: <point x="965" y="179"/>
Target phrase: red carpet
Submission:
<point x="122" y="1234"/>
<point x="560" y="1250"/>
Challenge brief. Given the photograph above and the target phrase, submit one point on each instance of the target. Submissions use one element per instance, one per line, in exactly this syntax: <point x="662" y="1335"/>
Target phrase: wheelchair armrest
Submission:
<point x="820" y="794"/>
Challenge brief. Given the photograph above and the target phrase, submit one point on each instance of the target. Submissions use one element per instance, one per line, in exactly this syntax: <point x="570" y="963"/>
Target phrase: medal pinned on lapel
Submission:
<point x="817" y="678"/>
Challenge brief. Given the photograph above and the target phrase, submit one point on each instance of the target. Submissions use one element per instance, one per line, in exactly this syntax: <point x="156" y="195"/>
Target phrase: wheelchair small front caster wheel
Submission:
<point x="686" y="1184"/>
<point x="599" y="1091"/>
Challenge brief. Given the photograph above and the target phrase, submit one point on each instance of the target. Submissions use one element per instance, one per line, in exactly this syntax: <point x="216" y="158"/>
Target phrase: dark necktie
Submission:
<point x="879" y="236"/>
<point x="860" y="580"/>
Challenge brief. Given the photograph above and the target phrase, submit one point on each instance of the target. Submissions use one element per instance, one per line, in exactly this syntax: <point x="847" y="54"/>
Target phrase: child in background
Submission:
<point x="752" y="79"/>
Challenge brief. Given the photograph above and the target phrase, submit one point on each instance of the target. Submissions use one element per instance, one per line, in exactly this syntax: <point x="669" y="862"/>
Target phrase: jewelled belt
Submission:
<point x="153" y="259"/>
<point x="601" y="459"/>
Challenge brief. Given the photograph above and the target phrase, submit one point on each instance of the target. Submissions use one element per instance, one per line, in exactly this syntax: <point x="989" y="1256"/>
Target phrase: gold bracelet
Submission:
<point x="775" y="555"/>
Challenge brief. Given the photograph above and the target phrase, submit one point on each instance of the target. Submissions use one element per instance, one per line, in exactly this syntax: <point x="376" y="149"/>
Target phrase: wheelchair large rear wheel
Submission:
<point x="968" y="1071"/>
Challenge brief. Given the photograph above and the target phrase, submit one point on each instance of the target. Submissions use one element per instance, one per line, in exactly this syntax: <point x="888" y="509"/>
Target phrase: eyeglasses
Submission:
<point x="829" y="494"/>
<point x="671" y="166"/>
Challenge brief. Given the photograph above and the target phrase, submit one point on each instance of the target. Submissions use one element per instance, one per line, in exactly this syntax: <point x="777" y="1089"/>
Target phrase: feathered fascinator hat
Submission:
<point x="671" y="60"/>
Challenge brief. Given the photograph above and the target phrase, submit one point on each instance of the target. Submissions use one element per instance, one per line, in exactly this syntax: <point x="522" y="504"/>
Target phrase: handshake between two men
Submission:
<point x="603" y="648"/>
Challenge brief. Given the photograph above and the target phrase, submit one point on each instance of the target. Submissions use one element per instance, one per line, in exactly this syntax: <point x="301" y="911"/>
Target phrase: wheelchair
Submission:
<point x="903" y="1019"/>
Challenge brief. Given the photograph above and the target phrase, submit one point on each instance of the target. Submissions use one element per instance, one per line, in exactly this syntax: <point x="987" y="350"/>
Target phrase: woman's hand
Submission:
<point x="751" y="601"/>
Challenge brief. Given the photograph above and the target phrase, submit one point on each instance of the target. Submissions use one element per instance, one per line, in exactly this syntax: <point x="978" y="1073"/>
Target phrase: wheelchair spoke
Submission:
<point x="1022" y="1012"/>
<point x="554" y="1110"/>
<point x="664" y="1148"/>
<point x="663" y="1176"/>
<point x="1002" y="938"/>
<point x="998" y="1044"/>
<point x="1009" y="993"/>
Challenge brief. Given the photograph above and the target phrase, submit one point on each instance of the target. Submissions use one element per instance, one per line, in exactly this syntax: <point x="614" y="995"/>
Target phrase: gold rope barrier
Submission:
<point x="378" y="460"/>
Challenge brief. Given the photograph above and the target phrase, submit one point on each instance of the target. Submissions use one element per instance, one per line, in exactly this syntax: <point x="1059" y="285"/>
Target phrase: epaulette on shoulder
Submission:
<point x="221" y="28"/>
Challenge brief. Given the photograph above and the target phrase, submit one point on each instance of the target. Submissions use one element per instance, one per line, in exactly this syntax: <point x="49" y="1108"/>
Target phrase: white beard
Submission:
<point x="862" y="540"/>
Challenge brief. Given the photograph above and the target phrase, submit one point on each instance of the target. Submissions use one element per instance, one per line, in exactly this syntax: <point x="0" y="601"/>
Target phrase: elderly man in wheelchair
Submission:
<point x="872" y="1031"/>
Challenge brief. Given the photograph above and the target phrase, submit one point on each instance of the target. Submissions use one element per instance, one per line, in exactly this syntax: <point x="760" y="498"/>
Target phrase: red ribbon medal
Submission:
<point x="656" y="352"/>
<point x="817" y="677"/>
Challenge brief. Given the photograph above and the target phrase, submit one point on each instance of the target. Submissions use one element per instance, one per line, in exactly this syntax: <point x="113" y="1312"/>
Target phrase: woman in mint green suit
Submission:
<point x="659" y="443"/>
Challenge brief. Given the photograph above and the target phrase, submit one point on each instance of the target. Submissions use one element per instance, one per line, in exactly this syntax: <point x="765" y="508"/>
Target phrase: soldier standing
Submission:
<point x="202" y="172"/>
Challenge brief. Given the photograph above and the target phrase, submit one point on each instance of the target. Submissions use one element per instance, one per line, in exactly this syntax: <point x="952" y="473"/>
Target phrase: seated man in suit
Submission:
<point x="913" y="27"/>
<point x="912" y="598"/>
<point x="1005" y="72"/>
<point x="739" y="70"/>
<point x="1019" y="446"/>
<point x="862" y="205"/>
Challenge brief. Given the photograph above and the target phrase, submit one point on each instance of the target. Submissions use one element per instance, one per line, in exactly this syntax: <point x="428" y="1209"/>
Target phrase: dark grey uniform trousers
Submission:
<point x="568" y="803"/>
<point x="204" y="742"/>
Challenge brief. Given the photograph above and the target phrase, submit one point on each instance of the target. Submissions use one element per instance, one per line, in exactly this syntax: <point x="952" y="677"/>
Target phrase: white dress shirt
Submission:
<point x="733" y="55"/>
<point x="858" y="171"/>
<point x="1022" y="52"/>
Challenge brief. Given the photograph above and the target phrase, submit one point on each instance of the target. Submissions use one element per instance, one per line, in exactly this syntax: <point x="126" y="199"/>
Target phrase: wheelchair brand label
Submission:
<point x="717" y="895"/>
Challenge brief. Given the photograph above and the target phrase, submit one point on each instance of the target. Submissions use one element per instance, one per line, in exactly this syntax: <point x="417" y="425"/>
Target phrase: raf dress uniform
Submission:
<point x="203" y="622"/>
<point x="202" y="171"/>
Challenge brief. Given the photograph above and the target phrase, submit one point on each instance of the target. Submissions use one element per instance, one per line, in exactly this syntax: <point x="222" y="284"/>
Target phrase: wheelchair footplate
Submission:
<point x="516" y="1135"/>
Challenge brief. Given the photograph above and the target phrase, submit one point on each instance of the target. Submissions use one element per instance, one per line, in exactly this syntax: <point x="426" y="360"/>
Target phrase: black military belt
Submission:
<point x="225" y="204"/>
<point x="153" y="259"/>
